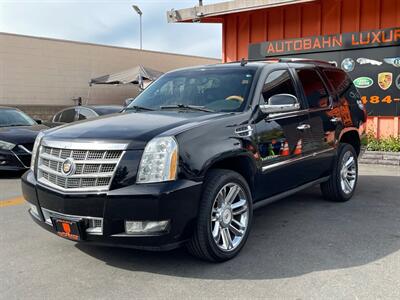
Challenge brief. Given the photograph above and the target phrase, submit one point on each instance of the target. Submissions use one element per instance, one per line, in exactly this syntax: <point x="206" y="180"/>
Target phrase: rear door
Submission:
<point x="323" y="126"/>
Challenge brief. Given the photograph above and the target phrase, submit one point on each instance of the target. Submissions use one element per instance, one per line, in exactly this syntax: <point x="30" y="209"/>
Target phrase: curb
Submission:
<point x="380" y="158"/>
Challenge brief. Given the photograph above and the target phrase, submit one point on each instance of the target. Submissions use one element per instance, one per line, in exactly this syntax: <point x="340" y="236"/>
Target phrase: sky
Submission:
<point x="112" y="22"/>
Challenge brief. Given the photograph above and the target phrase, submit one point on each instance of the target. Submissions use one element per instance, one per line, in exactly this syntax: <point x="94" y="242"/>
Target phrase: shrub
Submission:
<point x="390" y="144"/>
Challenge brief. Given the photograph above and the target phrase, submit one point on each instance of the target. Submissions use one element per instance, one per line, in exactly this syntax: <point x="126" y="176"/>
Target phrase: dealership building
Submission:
<point x="42" y="75"/>
<point x="360" y="36"/>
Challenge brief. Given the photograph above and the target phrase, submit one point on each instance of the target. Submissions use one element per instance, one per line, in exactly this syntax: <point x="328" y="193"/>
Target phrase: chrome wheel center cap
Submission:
<point x="226" y="217"/>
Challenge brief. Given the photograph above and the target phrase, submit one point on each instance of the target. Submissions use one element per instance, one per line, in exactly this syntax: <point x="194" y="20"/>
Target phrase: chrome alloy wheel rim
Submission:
<point x="229" y="217"/>
<point x="348" y="173"/>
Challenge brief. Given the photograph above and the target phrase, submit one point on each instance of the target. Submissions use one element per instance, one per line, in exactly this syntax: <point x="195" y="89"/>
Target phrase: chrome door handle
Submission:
<point x="335" y="120"/>
<point x="303" y="127"/>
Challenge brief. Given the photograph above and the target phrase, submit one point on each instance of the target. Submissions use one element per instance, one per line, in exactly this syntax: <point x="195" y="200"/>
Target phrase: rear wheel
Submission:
<point x="341" y="185"/>
<point x="225" y="217"/>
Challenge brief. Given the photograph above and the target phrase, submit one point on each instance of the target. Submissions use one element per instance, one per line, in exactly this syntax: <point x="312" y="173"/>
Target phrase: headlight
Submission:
<point x="159" y="161"/>
<point x="6" y="145"/>
<point x="35" y="149"/>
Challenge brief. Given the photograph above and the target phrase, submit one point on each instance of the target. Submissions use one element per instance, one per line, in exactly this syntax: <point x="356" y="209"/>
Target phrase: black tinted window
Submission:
<point x="314" y="89"/>
<point x="339" y="80"/>
<point x="278" y="82"/>
<point x="85" y="113"/>
<point x="67" y="116"/>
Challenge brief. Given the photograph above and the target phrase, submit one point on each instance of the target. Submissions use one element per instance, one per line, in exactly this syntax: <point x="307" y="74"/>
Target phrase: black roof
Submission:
<point x="259" y="63"/>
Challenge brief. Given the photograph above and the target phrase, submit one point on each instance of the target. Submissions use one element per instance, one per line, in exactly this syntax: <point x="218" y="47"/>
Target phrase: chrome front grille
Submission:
<point x="94" y="165"/>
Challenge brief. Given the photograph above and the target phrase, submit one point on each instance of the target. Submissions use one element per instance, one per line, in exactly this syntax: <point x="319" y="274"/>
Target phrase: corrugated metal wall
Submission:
<point x="316" y="18"/>
<point x="310" y="19"/>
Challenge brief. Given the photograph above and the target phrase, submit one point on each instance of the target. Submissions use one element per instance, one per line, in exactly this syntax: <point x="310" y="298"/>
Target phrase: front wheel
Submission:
<point x="224" y="219"/>
<point x="341" y="185"/>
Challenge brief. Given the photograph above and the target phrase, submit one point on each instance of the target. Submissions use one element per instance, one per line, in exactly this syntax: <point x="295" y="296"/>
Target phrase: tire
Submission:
<point x="336" y="189"/>
<point x="210" y="241"/>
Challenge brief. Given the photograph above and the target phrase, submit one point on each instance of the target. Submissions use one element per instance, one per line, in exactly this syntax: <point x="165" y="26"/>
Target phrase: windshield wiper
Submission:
<point x="186" y="106"/>
<point x="137" y="108"/>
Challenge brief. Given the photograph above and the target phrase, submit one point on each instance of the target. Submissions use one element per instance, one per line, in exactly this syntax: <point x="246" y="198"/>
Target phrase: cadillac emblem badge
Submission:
<point x="68" y="167"/>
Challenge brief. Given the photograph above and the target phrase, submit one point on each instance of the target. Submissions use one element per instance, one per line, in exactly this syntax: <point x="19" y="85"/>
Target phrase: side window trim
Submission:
<point x="331" y="93"/>
<point x="299" y="89"/>
<point x="76" y="109"/>
<point x="56" y="117"/>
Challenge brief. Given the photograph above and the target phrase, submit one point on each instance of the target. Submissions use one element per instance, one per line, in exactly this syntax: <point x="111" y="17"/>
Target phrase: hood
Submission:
<point x="20" y="134"/>
<point x="136" y="128"/>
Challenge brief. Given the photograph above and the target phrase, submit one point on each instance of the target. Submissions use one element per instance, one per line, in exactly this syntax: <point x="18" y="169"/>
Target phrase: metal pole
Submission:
<point x="141" y="33"/>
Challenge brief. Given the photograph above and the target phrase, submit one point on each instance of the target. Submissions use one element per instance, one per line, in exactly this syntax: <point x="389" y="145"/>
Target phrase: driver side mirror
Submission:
<point x="280" y="103"/>
<point x="39" y="121"/>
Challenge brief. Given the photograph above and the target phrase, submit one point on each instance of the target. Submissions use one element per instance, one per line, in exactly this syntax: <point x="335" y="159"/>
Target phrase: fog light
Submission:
<point x="34" y="211"/>
<point x="145" y="227"/>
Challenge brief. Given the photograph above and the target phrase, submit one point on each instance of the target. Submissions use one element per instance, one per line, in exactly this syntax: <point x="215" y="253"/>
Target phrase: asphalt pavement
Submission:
<point x="301" y="247"/>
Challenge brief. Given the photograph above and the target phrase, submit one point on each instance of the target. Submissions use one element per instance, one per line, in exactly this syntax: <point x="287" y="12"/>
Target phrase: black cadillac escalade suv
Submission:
<point x="189" y="160"/>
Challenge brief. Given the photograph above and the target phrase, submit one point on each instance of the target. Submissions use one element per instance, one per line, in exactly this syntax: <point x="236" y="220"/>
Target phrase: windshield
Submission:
<point x="217" y="89"/>
<point x="12" y="117"/>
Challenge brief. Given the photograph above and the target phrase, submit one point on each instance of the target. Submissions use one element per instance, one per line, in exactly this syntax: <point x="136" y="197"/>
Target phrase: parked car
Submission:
<point x="18" y="132"/>
<point x="195" y="153"/>
<point x="78" y="113"/>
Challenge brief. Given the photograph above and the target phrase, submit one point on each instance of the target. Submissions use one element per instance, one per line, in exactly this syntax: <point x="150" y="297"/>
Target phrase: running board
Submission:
<point x="277" y="197"/>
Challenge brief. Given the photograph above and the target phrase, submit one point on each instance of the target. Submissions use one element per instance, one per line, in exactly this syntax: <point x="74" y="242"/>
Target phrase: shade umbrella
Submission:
<point x="134" y="75"/>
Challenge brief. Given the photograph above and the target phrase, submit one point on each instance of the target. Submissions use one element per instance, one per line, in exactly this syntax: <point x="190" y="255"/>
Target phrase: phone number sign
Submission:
<point x="372" y="60"/>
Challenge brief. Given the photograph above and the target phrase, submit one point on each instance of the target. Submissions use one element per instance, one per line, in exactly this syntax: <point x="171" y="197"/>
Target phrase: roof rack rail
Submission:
<point x="305" y="60"/>
<point x="288" y="60"/>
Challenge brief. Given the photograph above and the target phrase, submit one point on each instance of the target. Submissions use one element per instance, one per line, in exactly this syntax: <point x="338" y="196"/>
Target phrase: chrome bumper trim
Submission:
<point x="48" y="214"/>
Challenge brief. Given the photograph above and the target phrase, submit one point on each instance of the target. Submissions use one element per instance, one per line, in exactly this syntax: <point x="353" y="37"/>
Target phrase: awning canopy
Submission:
<point x="212" y="13"/>
<point x="134" y="75"/>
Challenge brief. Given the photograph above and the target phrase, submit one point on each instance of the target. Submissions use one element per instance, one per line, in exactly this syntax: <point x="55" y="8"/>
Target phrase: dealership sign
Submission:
<point x="371" y="58"/>
<point x="334" y="42"/>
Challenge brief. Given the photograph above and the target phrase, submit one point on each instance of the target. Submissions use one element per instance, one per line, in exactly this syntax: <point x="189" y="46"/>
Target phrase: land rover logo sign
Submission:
<point x="68" y="167"/>
<point x="363" y="82"/>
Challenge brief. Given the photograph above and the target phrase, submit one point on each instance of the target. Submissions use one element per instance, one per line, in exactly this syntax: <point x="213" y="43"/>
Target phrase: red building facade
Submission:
<point x="246" y="27"/>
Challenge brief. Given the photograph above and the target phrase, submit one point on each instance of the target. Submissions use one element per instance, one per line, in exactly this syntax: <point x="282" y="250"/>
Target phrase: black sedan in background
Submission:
<point x="78" y="113"/>
<point x="18" y="132"/>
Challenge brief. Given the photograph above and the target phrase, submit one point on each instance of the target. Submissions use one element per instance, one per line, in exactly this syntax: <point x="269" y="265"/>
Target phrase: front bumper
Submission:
<point x="174" y="201"/>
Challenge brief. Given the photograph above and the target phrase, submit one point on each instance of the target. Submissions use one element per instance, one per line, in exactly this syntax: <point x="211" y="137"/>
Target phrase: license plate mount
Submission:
<point x="68" y="229"/>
